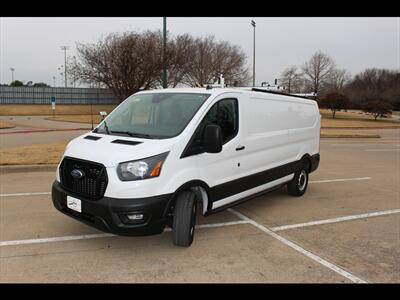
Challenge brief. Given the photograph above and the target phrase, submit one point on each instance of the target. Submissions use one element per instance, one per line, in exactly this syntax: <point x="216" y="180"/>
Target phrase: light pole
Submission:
<point x="165" y="84"/>
<point x="54" y="81"/>
<point x="12" y="74"/>
<point x="65" y="48"/>
<point x="254" y="52"/>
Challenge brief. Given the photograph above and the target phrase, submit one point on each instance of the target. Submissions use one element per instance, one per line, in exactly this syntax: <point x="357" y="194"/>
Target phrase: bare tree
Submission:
<point x="336" y="81"/>
<point x="375" y="84"/>
<point x="125" y="63"/>
<point x="291" y="79"/>
<point x="178" y="59"/>
<point x="317" y="70"/>
<point x="129" y="62"/>
<point x="209" y="59"/>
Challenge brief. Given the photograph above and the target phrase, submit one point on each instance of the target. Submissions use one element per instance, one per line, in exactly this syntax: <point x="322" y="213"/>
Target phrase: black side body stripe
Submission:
<point x="237" y="186"/>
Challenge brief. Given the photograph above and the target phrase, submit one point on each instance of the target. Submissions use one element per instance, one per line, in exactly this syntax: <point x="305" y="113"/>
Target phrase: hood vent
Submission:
<point x="92" y="137"/>
<point x="126" y="142"/>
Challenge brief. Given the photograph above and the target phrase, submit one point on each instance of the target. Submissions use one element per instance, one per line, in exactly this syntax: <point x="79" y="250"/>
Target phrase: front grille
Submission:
<point x="91" y="185"/>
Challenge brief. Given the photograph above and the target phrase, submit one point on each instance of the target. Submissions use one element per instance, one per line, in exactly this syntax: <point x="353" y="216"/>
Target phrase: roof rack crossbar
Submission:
<point x="278" y="93"/>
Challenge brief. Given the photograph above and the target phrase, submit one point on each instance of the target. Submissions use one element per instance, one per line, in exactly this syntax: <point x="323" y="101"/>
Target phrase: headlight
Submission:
<point x="141" y="169"/>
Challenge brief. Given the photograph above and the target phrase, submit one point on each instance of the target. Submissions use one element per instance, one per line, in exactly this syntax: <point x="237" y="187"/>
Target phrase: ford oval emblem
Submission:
<point x="78" y="174"/>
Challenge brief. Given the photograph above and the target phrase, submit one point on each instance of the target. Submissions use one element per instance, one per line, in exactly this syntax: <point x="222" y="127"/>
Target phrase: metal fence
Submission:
<point x="43" y="95"/>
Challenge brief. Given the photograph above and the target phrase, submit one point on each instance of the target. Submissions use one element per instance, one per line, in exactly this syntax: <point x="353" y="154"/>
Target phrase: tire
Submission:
<point x="184" y="219"/>
<point x="298" y="186"/>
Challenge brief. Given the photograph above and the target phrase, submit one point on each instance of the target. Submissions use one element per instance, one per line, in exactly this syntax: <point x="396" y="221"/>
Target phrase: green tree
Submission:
<point x="17" y="83"/>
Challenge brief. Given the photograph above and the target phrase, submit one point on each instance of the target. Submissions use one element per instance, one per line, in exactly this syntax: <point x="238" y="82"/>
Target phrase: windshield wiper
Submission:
<point x="134" y="134"/>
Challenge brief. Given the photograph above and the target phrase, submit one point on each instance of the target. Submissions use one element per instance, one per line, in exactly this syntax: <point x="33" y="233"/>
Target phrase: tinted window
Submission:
<point x="224" y="114"/>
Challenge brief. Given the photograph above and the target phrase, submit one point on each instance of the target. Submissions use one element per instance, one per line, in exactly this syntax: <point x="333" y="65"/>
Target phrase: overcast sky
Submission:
<point x="32" y="45"/>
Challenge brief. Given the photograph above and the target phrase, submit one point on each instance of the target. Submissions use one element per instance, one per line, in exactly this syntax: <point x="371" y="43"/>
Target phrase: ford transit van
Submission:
<point x="163" y="154"/>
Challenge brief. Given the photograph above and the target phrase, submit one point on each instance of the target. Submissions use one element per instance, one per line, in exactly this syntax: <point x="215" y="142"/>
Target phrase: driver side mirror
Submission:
<point x="212" y="139"/>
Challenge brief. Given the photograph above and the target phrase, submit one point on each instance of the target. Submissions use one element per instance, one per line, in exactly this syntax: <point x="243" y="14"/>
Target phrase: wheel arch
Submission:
<point x="306" y="160"/>
<point x="199" y="187"/>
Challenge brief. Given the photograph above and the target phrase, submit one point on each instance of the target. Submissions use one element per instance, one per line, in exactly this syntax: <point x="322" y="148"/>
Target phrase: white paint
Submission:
<point x="55" y="239"/>
<point x="351" y="145"/>
<point x="101" y="235"/>
<point x="382" y="150"/>
<point x="361" y="145"/>
<point x="296" y="247"/>
<point x="335" y="220"/>
<point x="24" y="194"/>
<point x="340" y="180"/>
<point x="275" y="129"/>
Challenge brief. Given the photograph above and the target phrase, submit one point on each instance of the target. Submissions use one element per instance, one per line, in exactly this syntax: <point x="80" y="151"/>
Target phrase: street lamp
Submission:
<point x="165" y="84"/>
<point x="254" y="51"/>
<point x="54" y="81"/>
<point x="65" y="48"/>
<point x="12" y="74"/>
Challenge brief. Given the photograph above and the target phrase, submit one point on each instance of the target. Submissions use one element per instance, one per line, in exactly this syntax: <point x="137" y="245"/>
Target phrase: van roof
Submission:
<point x="215" y="91"/>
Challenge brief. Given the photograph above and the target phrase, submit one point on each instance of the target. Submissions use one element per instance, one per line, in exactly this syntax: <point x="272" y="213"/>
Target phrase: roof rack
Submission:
<point x="278" y="93"/>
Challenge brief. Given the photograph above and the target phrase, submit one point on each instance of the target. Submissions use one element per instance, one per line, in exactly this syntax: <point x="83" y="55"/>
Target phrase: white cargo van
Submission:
<point x="161" y="153"/>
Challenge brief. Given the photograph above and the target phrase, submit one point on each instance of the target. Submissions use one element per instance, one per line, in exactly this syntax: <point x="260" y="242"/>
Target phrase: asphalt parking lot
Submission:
<point x="346" y="228"/>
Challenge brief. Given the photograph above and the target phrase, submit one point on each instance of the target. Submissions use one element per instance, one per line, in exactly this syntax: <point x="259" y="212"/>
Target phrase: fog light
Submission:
<point x="135" y="217"/>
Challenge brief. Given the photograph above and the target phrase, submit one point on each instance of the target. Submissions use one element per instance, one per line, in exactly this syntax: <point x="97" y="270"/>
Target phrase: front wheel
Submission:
<point x="297" y="187"/>
<point x="184" y="219"/>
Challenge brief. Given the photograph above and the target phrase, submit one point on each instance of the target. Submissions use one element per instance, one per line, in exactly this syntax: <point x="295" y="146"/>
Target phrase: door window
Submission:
<point x="224" y="113"/>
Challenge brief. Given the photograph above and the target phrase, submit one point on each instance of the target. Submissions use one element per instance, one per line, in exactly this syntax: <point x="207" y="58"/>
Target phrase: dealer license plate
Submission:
<point x="74" y="204"/>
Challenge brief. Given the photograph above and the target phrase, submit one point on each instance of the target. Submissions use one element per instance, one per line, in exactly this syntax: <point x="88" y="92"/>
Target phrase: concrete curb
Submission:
<point x="27" y="168"/>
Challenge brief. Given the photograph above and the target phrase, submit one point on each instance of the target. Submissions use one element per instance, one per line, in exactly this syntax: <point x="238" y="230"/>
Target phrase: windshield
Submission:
<point x="156" y="115"/>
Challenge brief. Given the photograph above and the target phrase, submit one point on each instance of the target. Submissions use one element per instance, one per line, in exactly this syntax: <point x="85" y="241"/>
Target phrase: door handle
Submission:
<point x="240" y="148"/>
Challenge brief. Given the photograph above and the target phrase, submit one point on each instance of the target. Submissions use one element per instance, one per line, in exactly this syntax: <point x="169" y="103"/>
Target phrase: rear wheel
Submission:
<point x="184" y="219"/>
<point x="297" y="187"/>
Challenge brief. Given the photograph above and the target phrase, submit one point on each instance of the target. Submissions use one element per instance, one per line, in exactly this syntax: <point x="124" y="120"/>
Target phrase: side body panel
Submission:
<point x="276" y="133"/>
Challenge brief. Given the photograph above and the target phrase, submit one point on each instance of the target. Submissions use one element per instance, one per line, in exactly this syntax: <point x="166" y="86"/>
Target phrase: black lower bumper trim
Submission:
<point x="105" y="214"/>
<point x="314" y="159"/>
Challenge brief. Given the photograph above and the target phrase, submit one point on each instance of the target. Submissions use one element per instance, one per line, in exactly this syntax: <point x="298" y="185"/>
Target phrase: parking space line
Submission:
<point x="382" y="149"/>
<point x="24" y="194"/>
<point x="55" y="239"/>
<point x="296" y="247"/>
<point x="336" y="220"/>
<point x="338" y="180"/>
<point x="101" y="235"/>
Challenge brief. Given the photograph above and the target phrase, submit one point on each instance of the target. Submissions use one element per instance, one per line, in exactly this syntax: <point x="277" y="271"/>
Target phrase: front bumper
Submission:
<point x="109" y="214"/>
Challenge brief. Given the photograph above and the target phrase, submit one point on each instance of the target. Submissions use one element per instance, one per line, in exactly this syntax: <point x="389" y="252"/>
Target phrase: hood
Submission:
<point x="110" y="150"/>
